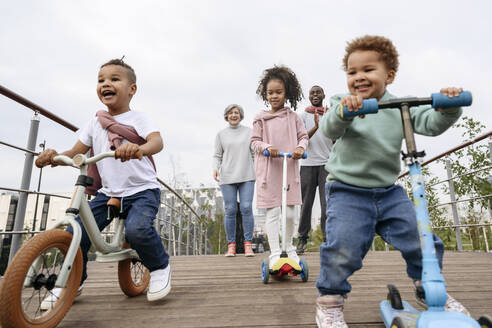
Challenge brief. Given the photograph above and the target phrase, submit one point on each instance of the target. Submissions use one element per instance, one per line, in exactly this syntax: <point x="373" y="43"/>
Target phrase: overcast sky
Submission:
<point x="193" y="58"/>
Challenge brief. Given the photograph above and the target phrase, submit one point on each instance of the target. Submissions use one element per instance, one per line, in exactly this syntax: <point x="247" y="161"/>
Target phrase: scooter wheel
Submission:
<point x="485" y="321"/>
<point x="265" y="271"/>
<point x="394" y="298"/>
<point x="305" y="270"/>
<point x="398" y="323"/>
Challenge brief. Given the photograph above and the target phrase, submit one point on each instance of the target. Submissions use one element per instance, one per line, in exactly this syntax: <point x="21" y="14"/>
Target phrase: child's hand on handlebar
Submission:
<point x="450" y="92"/>
<point x="353" y="103"/>
<point x="46" y="158"/>
<point x="128" y="151"/>
<point x="273" y="151"/>
<point x="297" y="153"/>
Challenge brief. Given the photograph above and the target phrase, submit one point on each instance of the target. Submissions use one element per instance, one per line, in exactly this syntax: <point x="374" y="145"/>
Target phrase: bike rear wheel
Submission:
<point x="20" y="305"/>
<point x="133" y="276"/>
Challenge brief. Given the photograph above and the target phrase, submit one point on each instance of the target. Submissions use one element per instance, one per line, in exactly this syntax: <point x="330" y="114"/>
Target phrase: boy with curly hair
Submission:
<point x="362" y="197"/>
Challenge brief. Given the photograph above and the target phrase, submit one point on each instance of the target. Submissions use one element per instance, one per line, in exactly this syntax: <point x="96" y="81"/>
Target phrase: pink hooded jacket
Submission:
<point x="285" y="131"/>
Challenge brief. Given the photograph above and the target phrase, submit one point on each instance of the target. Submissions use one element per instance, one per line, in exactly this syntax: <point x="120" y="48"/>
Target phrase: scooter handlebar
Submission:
<point x="281" y="154"/>
<point x="441" y="101"/>
<point x="369" y="106"/>
<point x="437" y="100"/>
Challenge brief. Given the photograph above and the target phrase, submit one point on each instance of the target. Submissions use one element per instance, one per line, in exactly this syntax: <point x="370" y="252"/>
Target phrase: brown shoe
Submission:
<point x="231" y="250"/>
<point x="248" y="249"/>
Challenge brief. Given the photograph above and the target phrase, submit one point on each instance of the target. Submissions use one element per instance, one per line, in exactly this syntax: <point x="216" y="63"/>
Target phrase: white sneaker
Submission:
<point x="454" y="305"/>
<point x="50" y="301"/>
<point x="329" y="312"/>
<point x="293" y="255"/>
<point x="160" y="284"/>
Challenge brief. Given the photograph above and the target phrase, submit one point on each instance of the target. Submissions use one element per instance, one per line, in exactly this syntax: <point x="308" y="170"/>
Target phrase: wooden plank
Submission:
<point x="214" y="291"/>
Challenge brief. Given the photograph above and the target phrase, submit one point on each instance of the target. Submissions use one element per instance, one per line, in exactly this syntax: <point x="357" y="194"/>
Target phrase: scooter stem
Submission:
<point x="284" y="203"/>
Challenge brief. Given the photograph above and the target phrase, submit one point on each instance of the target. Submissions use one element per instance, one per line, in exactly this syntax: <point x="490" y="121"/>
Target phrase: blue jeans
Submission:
<point x="229" y="193"/>
<point x="353" y="216"/>
<point x="140" y="210"/>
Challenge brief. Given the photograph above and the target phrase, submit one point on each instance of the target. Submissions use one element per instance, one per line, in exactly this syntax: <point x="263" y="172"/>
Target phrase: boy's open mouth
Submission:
<point x="108" y="93"/>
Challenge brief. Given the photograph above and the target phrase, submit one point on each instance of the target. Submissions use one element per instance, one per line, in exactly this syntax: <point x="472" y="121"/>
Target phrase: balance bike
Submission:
<point x="284" y="265"/>
<point x="53" y="259"/>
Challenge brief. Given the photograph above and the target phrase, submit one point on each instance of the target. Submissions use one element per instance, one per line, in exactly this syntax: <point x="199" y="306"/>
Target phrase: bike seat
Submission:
<point x="114" y="205"/>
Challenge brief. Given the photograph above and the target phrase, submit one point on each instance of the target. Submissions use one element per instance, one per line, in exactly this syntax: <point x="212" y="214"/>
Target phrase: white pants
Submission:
<point x="272" y="226"/>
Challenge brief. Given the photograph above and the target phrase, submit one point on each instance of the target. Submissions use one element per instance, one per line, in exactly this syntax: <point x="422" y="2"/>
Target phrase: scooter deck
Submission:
<point x="408" y="314"/>
<point x="285" y="265"/>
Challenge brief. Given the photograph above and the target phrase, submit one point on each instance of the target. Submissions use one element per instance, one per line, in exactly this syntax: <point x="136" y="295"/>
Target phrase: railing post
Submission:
<point x="43" y="146"/>
<point x="25" y="182"/>
<point x="194" y="239"/>
<point x="188" y="234"/>
<point x="485" y="239"/>
<point x="200" y="240"/>
<point x="170" y="222"/>
<point x="454" y="209"/>
<point x="180" y="231"/>
<point x="206" y="237"/>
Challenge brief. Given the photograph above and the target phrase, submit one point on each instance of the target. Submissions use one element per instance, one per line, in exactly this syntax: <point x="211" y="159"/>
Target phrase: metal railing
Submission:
<point x="176" y="218"/>
<point x="453" y="211"/>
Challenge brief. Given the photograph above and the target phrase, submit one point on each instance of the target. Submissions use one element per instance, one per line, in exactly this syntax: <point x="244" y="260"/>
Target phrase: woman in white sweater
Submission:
<point x="234" y="171"/>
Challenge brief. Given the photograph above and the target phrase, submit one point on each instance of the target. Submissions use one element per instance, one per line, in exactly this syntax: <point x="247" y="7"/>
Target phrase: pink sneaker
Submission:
<point x="231" y="250"/>
<point x="248" y="249"/>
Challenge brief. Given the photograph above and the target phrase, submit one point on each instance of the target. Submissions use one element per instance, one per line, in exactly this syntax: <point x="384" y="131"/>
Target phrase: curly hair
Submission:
<point x="293" y="91"/>
<point x="380" y="44"/>
<point x="119" y="62"/>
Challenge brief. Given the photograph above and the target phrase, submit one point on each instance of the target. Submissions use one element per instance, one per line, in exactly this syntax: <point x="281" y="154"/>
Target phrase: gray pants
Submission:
<point x="312" y="177"/>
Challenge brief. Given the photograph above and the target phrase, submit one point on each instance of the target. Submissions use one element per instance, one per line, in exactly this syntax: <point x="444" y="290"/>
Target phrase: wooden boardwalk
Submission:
<point x="214" y="291"/>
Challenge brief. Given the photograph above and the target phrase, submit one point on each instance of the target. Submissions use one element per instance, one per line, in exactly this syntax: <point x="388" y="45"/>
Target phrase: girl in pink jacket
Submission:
<point x="278" y="129"/>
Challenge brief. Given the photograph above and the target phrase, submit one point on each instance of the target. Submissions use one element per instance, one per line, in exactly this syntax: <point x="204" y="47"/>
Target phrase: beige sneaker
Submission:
<point x="329" y="311"/>
<point x="451" y="303"/>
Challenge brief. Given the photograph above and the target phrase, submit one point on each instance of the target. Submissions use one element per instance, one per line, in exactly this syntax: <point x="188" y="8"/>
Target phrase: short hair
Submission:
<point x="317" y="86"/>
<point x="119" y="62"/>
<point x="380" y="44"/>
<point x="231" y="107"/>
<point x="293" y="91"/>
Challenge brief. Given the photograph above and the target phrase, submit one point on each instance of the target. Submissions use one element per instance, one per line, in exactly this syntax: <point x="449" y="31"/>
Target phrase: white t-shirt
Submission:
<point x="319" y="146"/>
<point x="121" y="179"/>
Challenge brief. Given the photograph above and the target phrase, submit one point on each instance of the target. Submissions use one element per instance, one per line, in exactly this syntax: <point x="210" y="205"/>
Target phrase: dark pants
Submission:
<point x="140" y="210"/>
<point x="312" y="177"/>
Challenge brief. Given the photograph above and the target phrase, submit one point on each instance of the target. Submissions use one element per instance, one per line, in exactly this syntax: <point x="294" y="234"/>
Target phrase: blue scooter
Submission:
<point x="395" y="312"/>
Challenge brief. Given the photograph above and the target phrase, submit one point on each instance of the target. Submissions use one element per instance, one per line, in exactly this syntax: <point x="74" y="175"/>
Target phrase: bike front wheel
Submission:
<point x="133" y="276"/>
<point x="23" y="290"/>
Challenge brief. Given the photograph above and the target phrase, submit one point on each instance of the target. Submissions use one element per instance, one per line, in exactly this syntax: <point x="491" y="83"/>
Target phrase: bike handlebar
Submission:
<point x="436" y="100"/>
<point x="282" y="154"/>
<point x="81" y="159"/>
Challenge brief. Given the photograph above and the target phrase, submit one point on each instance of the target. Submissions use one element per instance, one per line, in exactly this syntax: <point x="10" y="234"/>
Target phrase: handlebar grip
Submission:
<point x="441" y="101"/>
<point x="267" y="153"/>
<point x="369" y="106"/>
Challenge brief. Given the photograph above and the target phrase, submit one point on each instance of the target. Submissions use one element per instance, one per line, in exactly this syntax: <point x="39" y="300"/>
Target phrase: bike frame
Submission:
<point x="107" y="252"/>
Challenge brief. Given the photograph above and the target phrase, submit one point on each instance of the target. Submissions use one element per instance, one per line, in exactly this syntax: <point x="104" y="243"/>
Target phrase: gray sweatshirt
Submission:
<point x="233" y="157"/>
